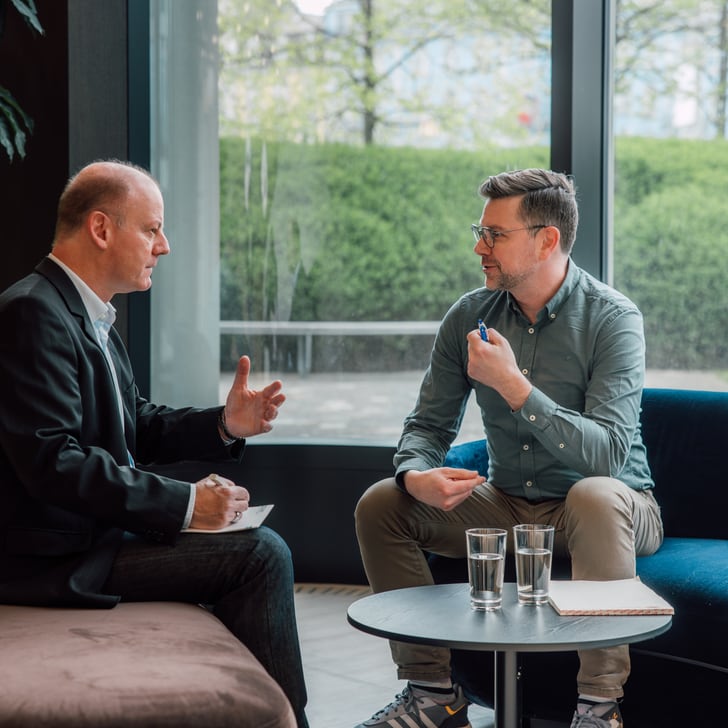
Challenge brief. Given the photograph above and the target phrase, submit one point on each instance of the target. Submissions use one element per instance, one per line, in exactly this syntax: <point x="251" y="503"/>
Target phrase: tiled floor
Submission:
<point x="349" y="674"/>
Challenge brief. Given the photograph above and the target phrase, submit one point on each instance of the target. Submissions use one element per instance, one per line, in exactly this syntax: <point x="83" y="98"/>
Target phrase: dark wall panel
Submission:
<point x="34" y="69"/>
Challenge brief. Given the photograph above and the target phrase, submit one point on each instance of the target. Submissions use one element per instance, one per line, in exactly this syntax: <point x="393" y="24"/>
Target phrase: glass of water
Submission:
<point x="486" y="566"/>
<point x="534" y="546"/>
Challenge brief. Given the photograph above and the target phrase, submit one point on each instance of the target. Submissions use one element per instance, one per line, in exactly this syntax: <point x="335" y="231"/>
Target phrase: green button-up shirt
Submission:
<point x="584" y="356"/>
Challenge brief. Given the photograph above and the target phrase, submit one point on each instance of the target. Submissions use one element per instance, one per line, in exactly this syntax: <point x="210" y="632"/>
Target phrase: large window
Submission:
<point x="670" y="238"/>
<point x="353" y="138"/>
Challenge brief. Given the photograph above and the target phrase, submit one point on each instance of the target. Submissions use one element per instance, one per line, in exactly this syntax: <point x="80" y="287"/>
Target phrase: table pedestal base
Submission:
<point x="507" y="690"/>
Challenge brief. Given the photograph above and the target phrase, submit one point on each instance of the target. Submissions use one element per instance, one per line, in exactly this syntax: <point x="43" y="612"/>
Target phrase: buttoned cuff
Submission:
<point x="538" y="410"/>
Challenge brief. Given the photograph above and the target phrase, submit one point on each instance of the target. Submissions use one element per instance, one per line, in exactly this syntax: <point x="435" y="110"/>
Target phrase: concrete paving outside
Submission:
<point x="370" y="408"/>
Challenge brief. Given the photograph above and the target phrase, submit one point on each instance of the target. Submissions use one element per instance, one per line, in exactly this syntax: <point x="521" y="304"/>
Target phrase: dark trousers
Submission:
<point x="247" y="579"/>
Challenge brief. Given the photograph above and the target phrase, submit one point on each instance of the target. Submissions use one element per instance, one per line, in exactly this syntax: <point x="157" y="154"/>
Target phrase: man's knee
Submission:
<point x="598" y="496"/>
<point x="599" y="529"/>
<point x="271" y="552"/>
<point x="375" y="500"/>
<point x="273" y="544"/>
<point x="376" y="503"/>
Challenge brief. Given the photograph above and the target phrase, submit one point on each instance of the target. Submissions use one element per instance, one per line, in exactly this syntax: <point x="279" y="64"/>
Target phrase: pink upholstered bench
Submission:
<point x="139" y="664"/>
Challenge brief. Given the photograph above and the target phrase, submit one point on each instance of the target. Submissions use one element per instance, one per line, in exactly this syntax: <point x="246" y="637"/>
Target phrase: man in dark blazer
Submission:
<point x="80" y="523"/>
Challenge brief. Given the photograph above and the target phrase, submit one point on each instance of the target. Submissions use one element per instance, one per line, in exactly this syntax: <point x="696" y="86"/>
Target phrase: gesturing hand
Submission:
<point x="248" y="411"/>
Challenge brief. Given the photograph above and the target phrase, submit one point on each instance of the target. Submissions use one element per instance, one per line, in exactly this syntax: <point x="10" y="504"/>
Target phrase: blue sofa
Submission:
<point x="685" y="433"/>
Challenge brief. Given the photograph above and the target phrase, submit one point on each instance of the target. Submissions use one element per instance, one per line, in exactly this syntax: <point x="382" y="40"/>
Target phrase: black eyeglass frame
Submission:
<point x="490" y="236"/>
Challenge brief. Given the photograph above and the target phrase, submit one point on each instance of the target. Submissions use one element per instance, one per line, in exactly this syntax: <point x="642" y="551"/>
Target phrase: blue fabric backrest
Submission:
<point x="686" y="436"/>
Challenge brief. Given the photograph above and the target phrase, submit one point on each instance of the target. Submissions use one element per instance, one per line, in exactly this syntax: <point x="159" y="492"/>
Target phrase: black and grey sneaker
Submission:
<point x="419" y="709"/>
<point x="590" y="714"/>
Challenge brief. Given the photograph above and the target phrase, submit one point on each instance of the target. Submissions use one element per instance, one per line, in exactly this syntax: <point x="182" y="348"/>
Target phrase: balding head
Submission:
<point x="104" y="186"/>
<point x="110" y="227"/>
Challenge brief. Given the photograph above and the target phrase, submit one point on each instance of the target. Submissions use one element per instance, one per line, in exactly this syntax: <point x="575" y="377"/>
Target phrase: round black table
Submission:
<point x="441" y="615"/>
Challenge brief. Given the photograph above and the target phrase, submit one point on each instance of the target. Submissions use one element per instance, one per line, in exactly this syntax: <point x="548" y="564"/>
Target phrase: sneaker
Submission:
<point x="589" y="714"/>
<point x="413" y="708"/>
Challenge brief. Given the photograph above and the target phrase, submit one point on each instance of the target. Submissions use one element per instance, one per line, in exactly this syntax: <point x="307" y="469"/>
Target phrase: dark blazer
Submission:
<point x="67" y="493"/>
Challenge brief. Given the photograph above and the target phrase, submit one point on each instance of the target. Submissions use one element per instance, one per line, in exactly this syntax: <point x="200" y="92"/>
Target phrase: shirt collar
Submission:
<point x="573" y="273"/>
<point x="95" y="307"/>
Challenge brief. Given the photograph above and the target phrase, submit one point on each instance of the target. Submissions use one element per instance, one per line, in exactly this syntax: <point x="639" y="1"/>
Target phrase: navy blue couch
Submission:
<point x="685" y="433"/>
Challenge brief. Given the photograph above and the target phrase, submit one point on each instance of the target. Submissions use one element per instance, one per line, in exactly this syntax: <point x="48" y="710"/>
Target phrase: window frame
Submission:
<point x="583" y="34"/>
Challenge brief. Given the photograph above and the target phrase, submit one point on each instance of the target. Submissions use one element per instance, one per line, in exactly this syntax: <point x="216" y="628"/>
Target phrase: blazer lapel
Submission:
<point x="71" y="297"/>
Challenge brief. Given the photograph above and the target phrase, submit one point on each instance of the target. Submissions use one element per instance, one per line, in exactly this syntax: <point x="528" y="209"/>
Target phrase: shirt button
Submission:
<point x="529" y="483"/>
<point x="525" y="371"/>
<point x="525" y="447"/>
<point x="561" y="445"/>
<point x="532" y="418"/>
<point x="552" y="316"/>
<point x="531" y="330"/>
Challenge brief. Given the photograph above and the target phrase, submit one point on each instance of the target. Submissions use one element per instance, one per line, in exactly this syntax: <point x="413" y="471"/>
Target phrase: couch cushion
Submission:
<point x="138" y="664"/>
<point x="692" y="574"/>
<point x="470" y="455"/>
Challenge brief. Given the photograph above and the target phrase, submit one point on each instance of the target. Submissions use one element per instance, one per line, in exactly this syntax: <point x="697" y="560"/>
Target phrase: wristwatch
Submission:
<point x="227" y="437"/>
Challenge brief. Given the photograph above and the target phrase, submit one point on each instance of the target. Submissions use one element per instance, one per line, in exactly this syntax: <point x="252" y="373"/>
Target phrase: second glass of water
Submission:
<point x="486" y="566"/>
<point x="534" y="546"/>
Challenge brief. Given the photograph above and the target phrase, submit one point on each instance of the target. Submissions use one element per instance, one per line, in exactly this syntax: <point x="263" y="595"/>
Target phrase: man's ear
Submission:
<point x="550" y="240"/>
<point x="99" y="226"/>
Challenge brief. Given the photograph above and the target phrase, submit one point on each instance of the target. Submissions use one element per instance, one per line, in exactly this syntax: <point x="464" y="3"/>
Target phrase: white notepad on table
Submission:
<point x="621" y="596"/>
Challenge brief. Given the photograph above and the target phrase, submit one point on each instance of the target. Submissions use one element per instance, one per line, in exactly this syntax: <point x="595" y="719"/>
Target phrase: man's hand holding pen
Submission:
<point x="218" y="502"/>
<point x="491" y="361"/>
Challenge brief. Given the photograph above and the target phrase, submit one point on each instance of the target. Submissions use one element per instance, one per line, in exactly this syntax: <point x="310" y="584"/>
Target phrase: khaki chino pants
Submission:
<point x="602" y="525"/>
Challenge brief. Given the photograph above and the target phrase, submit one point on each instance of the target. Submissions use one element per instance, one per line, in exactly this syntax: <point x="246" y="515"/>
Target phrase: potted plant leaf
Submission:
<point x="15" y="124"/>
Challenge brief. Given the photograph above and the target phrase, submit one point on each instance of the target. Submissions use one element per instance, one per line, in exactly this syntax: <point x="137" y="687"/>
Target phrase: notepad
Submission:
<point x="252" y="518"/>
<point x="617" y="597"/>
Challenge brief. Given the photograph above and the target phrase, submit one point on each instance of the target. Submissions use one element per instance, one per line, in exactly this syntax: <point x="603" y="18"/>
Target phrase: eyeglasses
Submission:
<point x="490" y="236"/>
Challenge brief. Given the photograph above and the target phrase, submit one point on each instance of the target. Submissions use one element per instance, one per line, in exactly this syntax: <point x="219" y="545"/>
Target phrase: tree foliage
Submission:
<point x="671" y="247"/>
<point x="373" y="66"/>
<point x="338" y="232"/>
<point x="335" y="232"/>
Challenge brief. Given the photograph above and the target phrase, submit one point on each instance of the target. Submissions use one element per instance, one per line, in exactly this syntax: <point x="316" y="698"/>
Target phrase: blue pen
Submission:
<point x="483" y="330"/>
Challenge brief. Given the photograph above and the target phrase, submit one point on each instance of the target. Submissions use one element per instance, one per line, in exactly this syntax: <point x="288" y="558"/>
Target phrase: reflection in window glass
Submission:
<point x="353" y="138"/>
<point x="671" y="168"/>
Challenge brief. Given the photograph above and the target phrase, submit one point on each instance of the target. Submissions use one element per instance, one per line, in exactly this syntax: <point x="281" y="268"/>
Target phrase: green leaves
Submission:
<point x="671" y="247"/>
<point x="30" y="14"/>
<point x="351" y="233"/>
<point x="338" y="232"/>
<point x="14" y="123"/>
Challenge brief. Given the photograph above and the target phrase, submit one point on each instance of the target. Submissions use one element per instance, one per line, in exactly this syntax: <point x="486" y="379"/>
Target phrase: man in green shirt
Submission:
<point x="559" y="382"/>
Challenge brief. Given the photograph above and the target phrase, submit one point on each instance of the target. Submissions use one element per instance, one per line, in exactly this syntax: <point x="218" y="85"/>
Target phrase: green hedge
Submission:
<point x="333" y="232"/>
<point x="671" y="247"/>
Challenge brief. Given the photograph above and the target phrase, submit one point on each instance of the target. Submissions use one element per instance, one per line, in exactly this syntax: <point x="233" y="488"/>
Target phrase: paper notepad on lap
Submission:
<point x="623" y="596"/>
<point x="252" y="518"/>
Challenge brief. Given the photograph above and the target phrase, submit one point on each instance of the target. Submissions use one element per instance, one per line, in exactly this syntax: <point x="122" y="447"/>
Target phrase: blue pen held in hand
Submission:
<point x="483" y="330"/>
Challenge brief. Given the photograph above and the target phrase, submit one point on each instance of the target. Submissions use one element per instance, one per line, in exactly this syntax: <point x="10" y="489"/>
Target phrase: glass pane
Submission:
<point x="184" y="158"/>
<point x="671" y="242"/>
<point x="353" y="138"/>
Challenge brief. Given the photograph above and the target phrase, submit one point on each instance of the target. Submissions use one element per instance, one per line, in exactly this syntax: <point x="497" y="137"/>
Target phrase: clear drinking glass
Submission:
<point x="534" y="546"/>
<point x="486" y="566"/>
